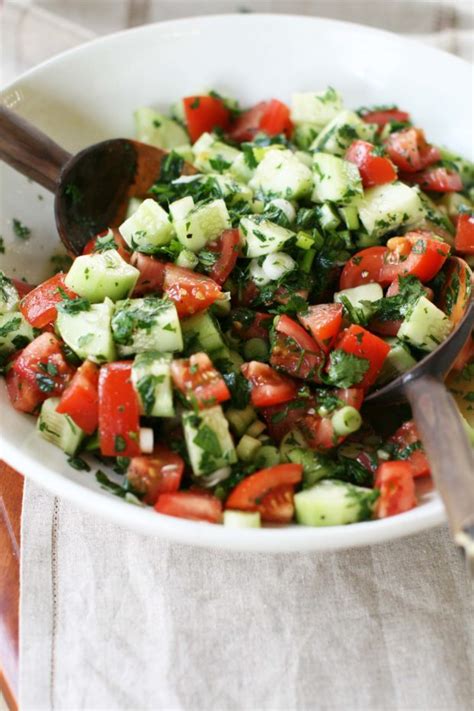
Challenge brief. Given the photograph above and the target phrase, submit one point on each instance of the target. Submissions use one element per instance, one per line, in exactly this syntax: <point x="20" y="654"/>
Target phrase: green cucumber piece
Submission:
<point x="341" y="131"/>
<point x="211" y="156"/>
<point x="335" y="180"/>
<point x="328" y="217"/>
<point x="426" y="326"/>
<point x="398" y="361"/>
<point x="100" y="275"/>
<point x="202" y="333"/>
<point x="317" y="108"/>
<point x="260" y="237"/>
<point x="151" y="378"/>
<point x="292" y="440"/>
<point x="304" y="135"/>
<point x="334" y="503"/>
<point x="240" y="168"/>
<point x="15" y="332"/>
<point x="208" y="440"/>
<point x="157" y="130"/>
<point x="350" y="216"/>
<point x="247" y="448"/>
<point x="148" y="228"/>
<point x="360" y="297"/>
<point x="241" y="519"/>
<point x="267" y="456"/>
<point x="148" y="324"/>
<point x="89" y="332"/>
<point x="390" y="206"/>
<point x="282" y="174"/>
<point x="240" y="420"/>
<point x="202" y="224"/>
<point x="9" y="299"/>
<point x="316" y="466"/>
<point x="59" y="429"/>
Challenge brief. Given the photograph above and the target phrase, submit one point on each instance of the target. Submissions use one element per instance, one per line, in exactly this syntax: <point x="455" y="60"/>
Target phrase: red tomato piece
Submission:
<point x="267" y="386"/>
<point x="247" y="124"/>
<point x="203" y="114"/>
<point x="397" y="489"/>
<point x="373" y="169"/>
<point x="324" y="323"/>
<point x="417" y="253"/>
<point x="272" y="117"/>
<point x="278" y="505"/>
<point x="281" y="419"/>
<point x="319" y="432"/>
<point x="364" y="267"/>
<point x="283" y="294"/>
<point x="276" y="119"/>
<point x="464" y="240"/>
<point x="383" y="117"/>
<point x="408" y="447"/>
<point x="409" y="150"/>
<point x="191" y="292"/>
<point x="456" y="289"/>
<point x="438" y="180"/>
<point x="156" y="474"/>
<point x="363" y="344"/>
<point x="227" y="247"/>
<point x="152" y="274"/>
<point x="39" y="305"/>
<point x="119" y="413"/>
<point x="295" y="352"/>
<point x="197" y="378"/>
<point x="251" y="324"/>
<point x="80" y="400"/>
<point x="38" y="372"/>
<point x="250" y="493"/>
<point x="192" y="505"/>
<point x="122" y="247"/>
<point x="22" y="287"/>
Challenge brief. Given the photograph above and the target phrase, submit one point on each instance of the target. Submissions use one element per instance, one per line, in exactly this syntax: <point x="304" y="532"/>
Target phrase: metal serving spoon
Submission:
<point x="443" y="435"/>
<point x="93" y="187"/>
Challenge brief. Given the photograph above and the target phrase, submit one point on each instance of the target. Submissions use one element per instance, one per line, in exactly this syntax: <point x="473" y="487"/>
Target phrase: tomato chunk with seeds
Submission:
<point x="359" y="342"/>
<point x="406" y="445"/>
<point x="197" y="378"/>
<point x="464" y="240"/>
<point x="364" y="267"/>
<point x="250" y="494"/>
<point x="278" y="505"/>
<point x="272" y="117"/>
<point x="295" y="352"/>
<point x="119" y="411"/>
<point x="191" y="292"/>
<point x="249" y="324"/>
<point x="154" y="474"/>
<point x="410" y="151"/>
<point x="152" y="274"/>
<point x="417" y="253"/>
<point x="267" y="386"/>
<point x="80" y="400"/>
<point x="192" y="505"/>
<point x="397" y="489"/>
<point x="203" y="114"/>
<point x="438" y="180"/>
<point x="227" y="248"/>
<point x="324" y="322"/>
<point x="374" y="169"/>
<point x="39" y="306"/>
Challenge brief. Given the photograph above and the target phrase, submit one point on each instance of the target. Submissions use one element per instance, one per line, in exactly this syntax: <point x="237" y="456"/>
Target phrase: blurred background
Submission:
<point x="33" y="30"/>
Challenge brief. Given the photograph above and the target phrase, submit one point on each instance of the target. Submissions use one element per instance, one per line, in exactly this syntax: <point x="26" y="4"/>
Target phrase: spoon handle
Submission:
<point x="449" y="452"/>
<point x="30" y="151"/>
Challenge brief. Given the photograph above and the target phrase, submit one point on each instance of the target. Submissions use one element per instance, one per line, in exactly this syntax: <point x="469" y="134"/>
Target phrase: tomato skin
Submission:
<point x="42" y="358"/>
<point x="278" y="505"/>
<point x="456" y="290"/>
<point x="191" y="292"/>
<point x="22" y="287"/>
<point x="203" y="114"/>
<point x="39" y="305"/>
<point x="155" y="474"/>
<point x="192" y="505"/>
<point x="152" y="274"/>
<point x="464" y="240"/>
<point x="119" y="414"/>
<point x="267" y="386"/>
<point x="121" y="245"/>
<point x="397" y="489"/>
<point x="438" y="180"/>
<point x="364" y="267"/>
<point x="227" y="246"/>
<point x="319" y="432"/>
<point x="409" y="150"/>
<point x="383" y="117"/>
<point x="272" y="117"/>
<point x="249" y="494"/>
<point x="80" y="400"/>
<point x="363" y="344"/>
<point x="281" y="419"/>
<point x="197" y="378"/>
<point x="324" y="323"/>
<point x="373" y="169"/>
<point x="288" y="356"/>
<point x="417" y="253"/>
<point x="259" y="326"/>
<point x="276" y="119"/>
<point x="404" y="437"/>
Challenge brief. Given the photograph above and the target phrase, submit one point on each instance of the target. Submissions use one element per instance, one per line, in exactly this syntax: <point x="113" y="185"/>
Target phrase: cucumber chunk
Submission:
<point x="360" y="297"/>
<point x="260" y="237"/>
<point x="282" y="174"/>
<point x="100" y="275"/>
<point x="240" y="420"/>
<point x="89" y="332"/>
<point x="148" y="324"/>
<point x="151" y="378"/>
<point x="15" y="332"/>
<point x="231" y="189"/>
<point x="334" y="503"/>
<point x="267" y="456"/>
<point x="350" y="216"/>
<point x="338" y="134"/>
<point x="157" y="130"/>
<point x="316" y="108"/>
<point x="398" y="361"/>
<point x="148" y="228"/>
<point x="9" y="299"/>
<point x="426" y="326"/>
<point x="202" y="224"/>
<point x="180" y="208"/>
<point x="208" y="440"/>
<point x="243" y="167"/>
<point x="316" y="466"/>
<point x="328" y="218"/>
<point x="388" y="207"/>
<point x="202" y="333"/>
<point x="242" y="519"/>
<point x="335" y="180"/>
<point x="304" y="134"/>
<point x="212" y="156"/>
<point x="59" y="429"/>
<point x="247" y="448"/>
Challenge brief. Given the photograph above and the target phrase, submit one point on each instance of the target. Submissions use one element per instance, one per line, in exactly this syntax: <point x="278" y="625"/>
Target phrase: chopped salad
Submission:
<point x="216" y="347"/>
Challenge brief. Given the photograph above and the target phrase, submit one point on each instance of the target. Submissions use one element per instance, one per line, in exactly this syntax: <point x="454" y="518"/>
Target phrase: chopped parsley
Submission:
<point x="79" y="464"/>
<point x="20" y="230"/>
<point x="346" y="369"/>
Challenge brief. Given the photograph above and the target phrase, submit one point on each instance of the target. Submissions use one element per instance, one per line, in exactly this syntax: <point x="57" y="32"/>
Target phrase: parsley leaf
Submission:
<point x="346" y="369"/>
<point x="20" y="230"/>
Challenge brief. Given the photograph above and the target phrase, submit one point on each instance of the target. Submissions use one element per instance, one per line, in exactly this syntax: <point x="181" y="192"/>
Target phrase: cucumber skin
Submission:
<point x="20" y="329"/>
<point x="58" y="429"/>
<point x="426" y="326"/>
<point x="155" y="364"/>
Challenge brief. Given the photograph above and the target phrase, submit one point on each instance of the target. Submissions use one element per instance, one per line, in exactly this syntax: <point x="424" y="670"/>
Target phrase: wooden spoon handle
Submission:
<point x="449" y="452"/>
<point x="30" y="151"/>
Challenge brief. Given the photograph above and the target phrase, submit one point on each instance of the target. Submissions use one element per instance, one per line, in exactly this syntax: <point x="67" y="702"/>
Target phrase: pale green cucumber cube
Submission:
<point x="208" y="440"/>
<point x="281" y="174"/>
<point x="182" y="207"/>
<point x="202" y="333"/>
<point x="214" y="157"/>
<point x="15" y="332"/>
<point x="151" y="377"/>
<point x="148" y="228"/>
<point x="88" y="332"/>
<point x="360" y="297"/>
<point x="340" y="132"/>
<point x="148" y="324"/>
<point x="335" y="180"/>
<point x="317" y="108"/>
<point x="242" y="519"/>
<point x="242" y="168"/>
<point x="202" y="224"/>
<point x="157" y="130"/>
<point x="9" y="299"/>
<point x="426" y="326"/>
<point x="304" y="135"/>
<point x="60" y="430"/>
<point x="398" y="361"/>
<point x="260" y="237"/>
<point x="334" y="503"/>
<point x="100" y="275"/>
<point x="386" y="207"/>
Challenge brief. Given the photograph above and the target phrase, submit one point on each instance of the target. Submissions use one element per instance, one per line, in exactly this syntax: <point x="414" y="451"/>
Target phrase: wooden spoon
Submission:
<point x="92" y="188"/>
<point x="444" y="438"/>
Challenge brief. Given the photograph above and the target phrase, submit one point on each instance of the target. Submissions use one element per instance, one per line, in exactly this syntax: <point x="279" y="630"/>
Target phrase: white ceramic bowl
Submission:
<point x="89" y="94"/>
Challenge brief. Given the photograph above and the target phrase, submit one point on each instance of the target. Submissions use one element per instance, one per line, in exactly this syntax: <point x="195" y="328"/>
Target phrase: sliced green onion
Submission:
<point x="346" y="420"/>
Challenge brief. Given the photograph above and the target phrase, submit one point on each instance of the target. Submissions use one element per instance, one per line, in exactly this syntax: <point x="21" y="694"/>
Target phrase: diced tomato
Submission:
<point x="246" y="294"/>
<point x="197" y="378"/>
<point x="39" y="305"/>
<point x="374" y="169"/>
<point x="410" y="151"/>
<point x="283" y="294"/>
<point x="93" y="245"/>
<point x="417" y="253"/>
<point x="22" y="287"/>
<point x="383" y="117"/>
<point x="156" y="474"/>
<point x="251" y="324"/>
<point x="394" y="289"/>
<point x="319" y="432"/>
<point x="192" y="505"/>
<point x="397" y="489"/>
<point x="408" y="447"/>
<point x="227" y="247"/>
<point x="295" y="352"/>
<point x="281" y="419"/>
<point x="251" y="493"/>
<point x="324" y="323"/>
<point x="119" y="413"/>
<point x="456" y="289"/>
<point x="191" y="292"/>
<point x="364" y="267"/>
<point x="203" y="114"/>
<point x="80" y="400"/>
<point x="152" y="274"/>
<point x="268" y="386"/>
<point x="278" y="505"/>
<point x="272" y="117"/>
<point x="363" y="344"/>
<point x="464" y="240"/>
<point x="38" y="372"/>
<point x="438" y="180"/>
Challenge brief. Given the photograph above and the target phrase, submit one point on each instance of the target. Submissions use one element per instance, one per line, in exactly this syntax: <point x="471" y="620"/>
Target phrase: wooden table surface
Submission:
<point x="11" y="493"/>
